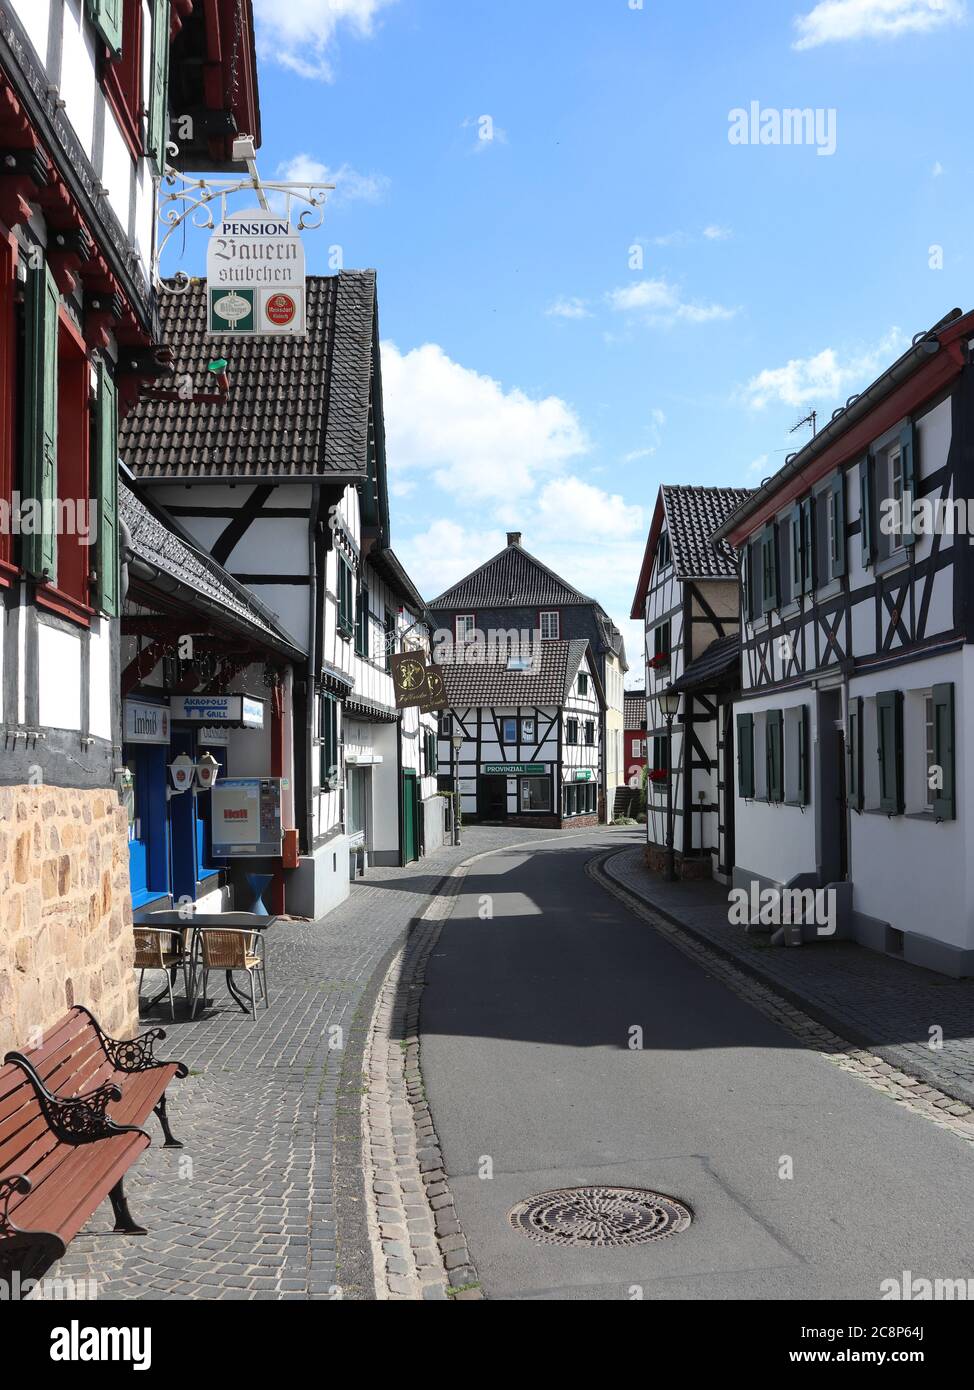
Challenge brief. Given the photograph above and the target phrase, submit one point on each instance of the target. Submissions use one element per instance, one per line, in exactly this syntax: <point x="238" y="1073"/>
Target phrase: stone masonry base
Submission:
<point x="65" y="911"/>
<point x="686" y="867"/>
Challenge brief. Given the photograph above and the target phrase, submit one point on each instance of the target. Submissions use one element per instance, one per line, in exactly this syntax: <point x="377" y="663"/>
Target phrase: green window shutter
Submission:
<point x="808" y="545"/>
<point x="157" y="127"/>
<point x="769" y="570"/>
<point x="908" y="455"/>
<point x="854" y="794"/>
<point x="796" y="551"/>
<point x="838" y="533"/>
<point x="106" y="16"/>
<point x="362" y="624"/>
<point x="803" y="755"/>
<point x="745" y="755"/>
<point x="106" y="498"/>
<point x="889" y="723"/>
<point x="42" y="300"/>
<point x="746" y="580"/>
<point x="774" y="726"/>
<point x="867" y="509"/>
<point x="944" y="804"/>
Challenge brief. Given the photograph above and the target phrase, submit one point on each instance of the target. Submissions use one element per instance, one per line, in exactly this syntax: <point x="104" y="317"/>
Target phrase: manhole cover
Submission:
<point x="600" y="1216"/>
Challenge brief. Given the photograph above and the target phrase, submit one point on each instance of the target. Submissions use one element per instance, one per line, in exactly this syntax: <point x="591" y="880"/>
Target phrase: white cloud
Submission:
<point x="439" y="556"/>
<point x="759" y="465"/>
<point x="937" y="170"/>
<point x="350" y="185"/>
<point x="822" y="379"/>
<point x="476" y="439"/>
<point x="569" y="506"/>
<point x="571" y="308"/>
<point x="717" y="233"/>
<point x="834" y="21"/>
<point x="660" y="302"/>
<point x="299" y="33"/>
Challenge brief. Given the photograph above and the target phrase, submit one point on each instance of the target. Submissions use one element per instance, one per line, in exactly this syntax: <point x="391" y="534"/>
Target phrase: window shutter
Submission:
<point x="745" y="755"/>
<point x="889" y="720"/>
<point x="908" y="455"/>
<point x="773" y="742"/>
<point x="796" y="551"/>
<point x="769" y="571"/>
<point x="106" y="500"/>
<point x="944" y="804"/>
<point x="838" y="540"/>
<point x="39" y="553"/>
<point x="867" y="509"/>
<point x="808" y="546"/>
<point x="747" y="580"/>
<point x="106" y="16"/>
<point x="803" y="755"/>
<point x="854" y="793"/>
<point x="157" y="128"/>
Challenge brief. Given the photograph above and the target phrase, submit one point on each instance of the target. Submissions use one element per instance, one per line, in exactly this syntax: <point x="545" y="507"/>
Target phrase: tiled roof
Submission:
<point x="512" y="579"/>
<point x="298" y="407"/>
<point x="467" y="684"/>
<point x="634" y="709"/>
<point x="720" y="660"/>
<point x="692" y="516"/>
<point x="153" y="542"/>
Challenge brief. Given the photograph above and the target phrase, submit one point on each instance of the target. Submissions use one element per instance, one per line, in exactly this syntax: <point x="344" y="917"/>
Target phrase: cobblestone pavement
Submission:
<point x="888" y="1006"/>
<point x="270" y="1116"/>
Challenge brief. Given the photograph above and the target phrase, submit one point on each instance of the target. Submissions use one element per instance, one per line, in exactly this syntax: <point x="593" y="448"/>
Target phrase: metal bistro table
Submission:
<point x="180" y="922"/>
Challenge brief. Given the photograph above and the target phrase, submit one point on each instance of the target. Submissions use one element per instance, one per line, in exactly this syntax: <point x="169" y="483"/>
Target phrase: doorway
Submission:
<point x="832" y="818"/>
<point x="410" y="817"/>
<point x="492" y="798"/>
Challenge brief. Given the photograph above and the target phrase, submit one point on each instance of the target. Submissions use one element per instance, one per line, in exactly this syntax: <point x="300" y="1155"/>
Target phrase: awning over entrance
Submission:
<point x="718" y="667"/>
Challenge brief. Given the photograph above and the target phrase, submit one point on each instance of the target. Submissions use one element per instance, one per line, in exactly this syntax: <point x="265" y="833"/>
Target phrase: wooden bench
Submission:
<point x="71" y="1111"/>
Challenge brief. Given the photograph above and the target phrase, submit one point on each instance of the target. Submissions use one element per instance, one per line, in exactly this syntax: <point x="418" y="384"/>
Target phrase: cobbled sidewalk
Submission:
<point x="247" y="1209"/>
<point x="885" y="1005"/>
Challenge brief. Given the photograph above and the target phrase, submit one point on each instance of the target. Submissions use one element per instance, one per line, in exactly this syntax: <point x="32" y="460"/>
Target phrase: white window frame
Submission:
<point x="551" y="613"/>
<point x="895" y="458"/>
<point x="462" y="634"/>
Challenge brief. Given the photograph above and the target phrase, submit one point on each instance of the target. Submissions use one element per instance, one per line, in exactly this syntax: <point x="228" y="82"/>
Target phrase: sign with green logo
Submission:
<point x="231" y="311"/>
<point x="515" y="770"/>
<point x="584" y="774"/>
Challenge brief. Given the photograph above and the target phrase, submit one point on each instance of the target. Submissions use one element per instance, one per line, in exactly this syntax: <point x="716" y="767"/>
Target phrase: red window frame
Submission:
<point x="122" y="79"/>
<point x="8" y="394"/>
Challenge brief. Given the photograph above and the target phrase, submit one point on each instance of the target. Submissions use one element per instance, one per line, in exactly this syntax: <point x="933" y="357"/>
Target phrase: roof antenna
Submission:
<point x="809" y="419"/>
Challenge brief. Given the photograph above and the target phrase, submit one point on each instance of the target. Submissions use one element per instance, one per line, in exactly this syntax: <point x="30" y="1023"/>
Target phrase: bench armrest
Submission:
<point x="133" y="1054"/>
<point x="79" y="1119"/>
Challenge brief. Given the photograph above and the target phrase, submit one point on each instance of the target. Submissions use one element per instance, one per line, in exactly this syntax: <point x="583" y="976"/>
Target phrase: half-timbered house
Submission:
<point x="284" y="484"/>
<point x="854" y="770"/>
<point x="531" y="750"/>
<point x="687" y="597"/>
<point x="515" y="593"/>
<point x="83" y="138"/>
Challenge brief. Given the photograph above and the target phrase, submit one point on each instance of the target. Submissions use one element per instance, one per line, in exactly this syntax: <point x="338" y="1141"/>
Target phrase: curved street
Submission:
<point x="804" y="1182"/>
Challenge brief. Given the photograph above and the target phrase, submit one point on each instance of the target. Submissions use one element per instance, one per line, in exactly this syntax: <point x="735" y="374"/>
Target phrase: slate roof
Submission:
<point x="152" y="541"/>
<point x="468" y="685"/>
<point x="692" y="516"/>
<point x="716" y="663"/>
<point x="634" y="709"/>
<point x="298" y="407"/>
<point x="512" y="579"/>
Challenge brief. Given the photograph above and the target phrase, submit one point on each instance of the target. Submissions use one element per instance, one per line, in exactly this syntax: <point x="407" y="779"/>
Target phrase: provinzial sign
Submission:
<point x="255" y="276"/>
<point x="584" y="774"/>
<point x="146" y="723"/>
<point x="515" y="770"/>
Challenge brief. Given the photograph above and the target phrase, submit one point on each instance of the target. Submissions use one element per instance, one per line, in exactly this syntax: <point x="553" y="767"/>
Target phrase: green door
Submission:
<point x="410" y="817"/>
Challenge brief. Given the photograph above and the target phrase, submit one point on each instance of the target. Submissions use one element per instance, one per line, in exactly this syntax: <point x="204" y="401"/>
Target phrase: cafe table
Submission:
<point x="188" y="924"/>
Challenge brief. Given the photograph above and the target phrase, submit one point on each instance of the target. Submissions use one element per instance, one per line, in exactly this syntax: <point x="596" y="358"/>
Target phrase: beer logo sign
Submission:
<point x="280" y="309"/>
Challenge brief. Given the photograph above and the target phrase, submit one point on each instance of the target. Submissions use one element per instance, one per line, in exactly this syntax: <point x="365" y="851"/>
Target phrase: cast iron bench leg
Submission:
<point x="123" y="1217"/>
<point x="160" y="1111"/>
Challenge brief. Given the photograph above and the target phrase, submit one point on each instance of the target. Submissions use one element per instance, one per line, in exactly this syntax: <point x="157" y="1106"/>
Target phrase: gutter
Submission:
<point x="925" y="346"/>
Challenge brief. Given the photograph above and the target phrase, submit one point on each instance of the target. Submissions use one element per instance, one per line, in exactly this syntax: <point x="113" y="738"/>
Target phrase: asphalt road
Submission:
<point x="526" y="1022"/>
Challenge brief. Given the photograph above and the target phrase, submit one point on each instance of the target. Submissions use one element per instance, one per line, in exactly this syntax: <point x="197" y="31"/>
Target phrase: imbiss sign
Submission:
<point x="255" y="276"/>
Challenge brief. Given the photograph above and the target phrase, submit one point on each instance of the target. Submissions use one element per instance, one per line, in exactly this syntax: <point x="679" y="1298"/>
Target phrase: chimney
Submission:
<point x="514" y="538"/>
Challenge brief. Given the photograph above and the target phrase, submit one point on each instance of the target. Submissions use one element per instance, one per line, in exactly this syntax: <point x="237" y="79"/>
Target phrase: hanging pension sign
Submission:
<point x="255" y="276"/>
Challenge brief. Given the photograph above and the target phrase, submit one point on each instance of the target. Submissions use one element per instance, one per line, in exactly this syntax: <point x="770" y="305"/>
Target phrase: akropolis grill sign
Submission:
<point x="255" y="276"/>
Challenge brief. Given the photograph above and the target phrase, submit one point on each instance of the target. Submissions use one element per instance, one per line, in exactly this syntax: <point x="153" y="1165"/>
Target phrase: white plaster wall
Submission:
<point x="777" y="841"/>
<point x="100" y="688"/>
<point x="59" y="677"/>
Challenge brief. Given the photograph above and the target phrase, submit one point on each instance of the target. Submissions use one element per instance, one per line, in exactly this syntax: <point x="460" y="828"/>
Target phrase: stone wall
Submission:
<point x="65" y="911"/>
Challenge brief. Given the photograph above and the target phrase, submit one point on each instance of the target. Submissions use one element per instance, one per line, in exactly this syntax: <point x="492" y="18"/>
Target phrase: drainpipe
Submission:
<point x="312" y="662"/>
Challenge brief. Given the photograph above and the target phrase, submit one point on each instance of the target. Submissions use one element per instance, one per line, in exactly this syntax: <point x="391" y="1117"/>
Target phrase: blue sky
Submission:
<point x="539" y="378"/>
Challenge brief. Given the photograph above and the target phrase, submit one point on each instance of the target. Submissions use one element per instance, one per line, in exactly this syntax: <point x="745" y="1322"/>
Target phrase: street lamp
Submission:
<point x="669" y="703"/>
<point x="457" y="741"/>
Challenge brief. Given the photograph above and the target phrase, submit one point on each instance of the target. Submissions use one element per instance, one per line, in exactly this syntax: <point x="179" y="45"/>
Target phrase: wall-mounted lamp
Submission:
<point x="184" y="773"/>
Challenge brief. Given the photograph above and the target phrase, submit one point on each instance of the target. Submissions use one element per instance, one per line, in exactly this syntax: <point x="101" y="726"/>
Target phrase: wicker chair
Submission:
<point x="162" y="948"/>
<point x="230" y="949"/>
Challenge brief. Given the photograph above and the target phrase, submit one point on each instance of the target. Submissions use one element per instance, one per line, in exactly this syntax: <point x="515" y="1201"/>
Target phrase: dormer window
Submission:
<point x="550" y="625"/>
